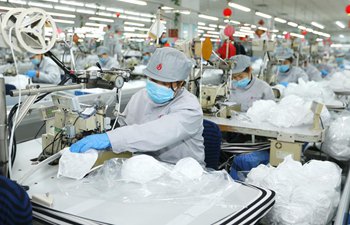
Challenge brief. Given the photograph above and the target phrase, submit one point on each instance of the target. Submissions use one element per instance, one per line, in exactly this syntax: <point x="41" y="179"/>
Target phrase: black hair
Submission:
<point x="290" y="60"/>
<point x="246" y="70"/>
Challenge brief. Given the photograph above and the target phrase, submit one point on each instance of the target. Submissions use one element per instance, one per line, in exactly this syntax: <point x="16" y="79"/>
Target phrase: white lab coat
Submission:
<point x="256" y="90"/>
<point x="111" y="63"/>
<point x="49" y="72"/>
<point x="168" y="132"/>
<point x="292" y="76"/>
<point x="313" y="73"/>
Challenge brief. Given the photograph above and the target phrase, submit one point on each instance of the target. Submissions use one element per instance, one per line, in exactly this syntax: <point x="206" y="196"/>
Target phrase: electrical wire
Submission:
<point x="37" y="133"/>
<point x="12" y="130"/>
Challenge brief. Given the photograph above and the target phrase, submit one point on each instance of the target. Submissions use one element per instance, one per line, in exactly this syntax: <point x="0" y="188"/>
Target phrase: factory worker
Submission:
<point x="313" y="73"/>
<point x="105" y="60"/>
<point x="246" y="88"/>
<point x="287" y="73"/>
<point x="44" y="70"/>
<point x="163" y="120"/>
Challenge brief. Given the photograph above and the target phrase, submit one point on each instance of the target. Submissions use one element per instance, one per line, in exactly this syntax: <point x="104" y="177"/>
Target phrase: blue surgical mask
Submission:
<point x="283" y="68"/>
<point x="146" y="57"/>
<point x="241" y="83"/>
<point x="339" y="59"/>
<point x="103" y="60"/>
<point x="158" y="93"/>
<point x="163" y="40"/>
<point x="35" y="61"/>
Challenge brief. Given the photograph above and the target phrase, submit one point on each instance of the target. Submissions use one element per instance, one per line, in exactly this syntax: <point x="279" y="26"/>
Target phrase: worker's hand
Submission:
<point x="324" y="73"/>
<point x="284" y="83"/>
<point x="31" y="73"/>
<point x="95" y="141"/>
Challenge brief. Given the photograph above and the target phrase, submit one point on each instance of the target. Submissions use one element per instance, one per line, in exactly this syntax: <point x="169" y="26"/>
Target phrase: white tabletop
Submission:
<point x="301" y="133"/>
<point x="236" y="202"/>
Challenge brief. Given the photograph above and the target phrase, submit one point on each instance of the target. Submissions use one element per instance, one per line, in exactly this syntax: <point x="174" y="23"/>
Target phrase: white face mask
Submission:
<point x="76" y="165"/>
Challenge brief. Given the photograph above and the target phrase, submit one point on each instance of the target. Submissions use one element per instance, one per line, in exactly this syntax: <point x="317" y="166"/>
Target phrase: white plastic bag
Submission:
<point x="337" y="140"/>
<point x="76" y="165"/>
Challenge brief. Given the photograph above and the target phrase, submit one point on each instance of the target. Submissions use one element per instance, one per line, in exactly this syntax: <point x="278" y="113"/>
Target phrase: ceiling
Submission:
<point x="303" y="12"/>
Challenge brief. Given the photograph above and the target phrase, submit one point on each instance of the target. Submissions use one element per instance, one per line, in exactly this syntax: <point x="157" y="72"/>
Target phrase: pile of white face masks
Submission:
<point x="291" y="111"/>
<point x="305" y="194"/>
<point x="143" y="179"/>
<point x="337" y="140"/>
<point x="338" y="81"/>
<point x="311" y="91"/>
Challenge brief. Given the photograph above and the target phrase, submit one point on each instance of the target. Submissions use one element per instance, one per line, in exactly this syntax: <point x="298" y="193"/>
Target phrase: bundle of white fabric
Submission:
<point x="291" y="111"/>
<point x="305" y="194"/>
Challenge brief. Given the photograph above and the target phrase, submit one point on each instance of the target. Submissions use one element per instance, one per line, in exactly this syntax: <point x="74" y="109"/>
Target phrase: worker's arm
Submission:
<point x="49" y="74"/>
<point x="157" y="134"/>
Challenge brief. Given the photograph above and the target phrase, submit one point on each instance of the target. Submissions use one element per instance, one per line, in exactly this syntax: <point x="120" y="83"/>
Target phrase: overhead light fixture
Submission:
<point x="340" y="24"/>
<point x="317" y="25"/>
<point x="208" y="17"/>
<point x="147" y="15"/>
<point x="275" y="31"/>
<point x="65" y="8"/>
<point x="262" y="28"/>
<point x="20" y="2"/>
<point x="263" y="15"/>
<point x="166" y="8"/>
<point x="101" y="19"/>
<point x="297" y="35"/>
<point x="319" y="39"/>
<point x="206" y="28"/>
<point x="245" y="28"/>
<point x="136" y="2"/>
<point x="200" y="31"/>
<point x="253" y="26"/>
<point x="213" y="25"/>
<point x="247" y="31"/>
<point x="64" y="21"/>
<point x="95" y="6"/>
<point x="96" y="24"/>
<point x="134" y="24"/>
<point x="222" y="27"/>
<point x="309" y="30"/>
<point x="135" y="35"/>
<point x="115" y="10"/>
<point x="134" y="18"/>
<point x="211" y="35"/>
<point x="49" y="1"/>
<point x="280" y="20"/>
<point x="341" y="36"/>
<point x="86" y="11"/>
<point x="240" y="7"/>
<point x="39" y="4"/>
<point x="201" y="24"/>
<point x="302" y="27"/>
<point x="106" y="14"/>
<point x="61" y="15"/>
<point x="292" y="24"/>
<point x="246" y="24"/>
<point x="185" y="12"/>
<point x="5" y="8"/>
<point x="72" y="3"/>
<point x="285" y="32"/>
<point x="336" y="45"/>
<point x="213" y="32"/>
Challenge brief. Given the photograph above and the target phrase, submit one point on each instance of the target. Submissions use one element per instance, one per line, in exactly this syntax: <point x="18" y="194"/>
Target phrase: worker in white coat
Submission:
<point x="44" y="70"/>
<point x="245" y="87"/>
<point x="313" y="73"/>
<point x="287" y="72"/>
<point x="163" y="120"/>
<point x="105" y="60"/>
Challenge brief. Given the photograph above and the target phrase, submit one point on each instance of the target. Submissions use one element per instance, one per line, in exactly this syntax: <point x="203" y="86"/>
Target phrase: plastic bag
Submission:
<point x="291" y="111"/>
<point x="76" y="165"/>
<point x="337" y="140"/>
<point x="186" y="187"/>
<point x="305" y="194"/>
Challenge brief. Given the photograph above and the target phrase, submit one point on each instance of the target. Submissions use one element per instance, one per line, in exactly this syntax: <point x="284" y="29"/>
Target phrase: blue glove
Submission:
<point x="284" y="83"/>
<point x="95" y="141"/>
<point x="342" y="66"/>
<point x="31" y="73"/>
<point x="324" y="73"/>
